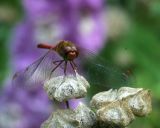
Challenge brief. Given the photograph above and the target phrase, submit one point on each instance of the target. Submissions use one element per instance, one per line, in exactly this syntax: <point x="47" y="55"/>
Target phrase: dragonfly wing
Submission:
<point x="39" y="71"/>
<point x="100" y="73"/>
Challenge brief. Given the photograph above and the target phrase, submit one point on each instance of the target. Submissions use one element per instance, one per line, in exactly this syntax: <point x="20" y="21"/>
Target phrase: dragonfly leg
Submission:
<point x="56" y="68"/>
<point x="73" y="65"/>
<point x="65" y="68"/>
<point x="55" y="62"/>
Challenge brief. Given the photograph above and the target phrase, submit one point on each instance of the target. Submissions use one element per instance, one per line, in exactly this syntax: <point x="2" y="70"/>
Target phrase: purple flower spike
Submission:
<point x="47" y="21"/>
<point x="92" y="32"/>
<point x="77" y="21"/>
<point x="23" y="108"/>
<point x="23" y="48"/>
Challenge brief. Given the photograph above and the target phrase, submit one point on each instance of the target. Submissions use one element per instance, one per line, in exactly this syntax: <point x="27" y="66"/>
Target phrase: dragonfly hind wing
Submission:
<point x="101" y="74"/>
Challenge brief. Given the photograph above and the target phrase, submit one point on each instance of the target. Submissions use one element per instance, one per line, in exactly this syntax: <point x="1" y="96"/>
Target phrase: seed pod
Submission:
<point x="103" y="98"/>
<point x="115" y="114"/>
<point x="61" y="119"/>
<point x="125" y="92"/>
<point x="82" y="117"/>
<point x="85" y="116"/>
<point x="141" y="104"/>
<point x="63" y="88"/>
<point x="138" y="99"/>
<point x="117" y="108"/>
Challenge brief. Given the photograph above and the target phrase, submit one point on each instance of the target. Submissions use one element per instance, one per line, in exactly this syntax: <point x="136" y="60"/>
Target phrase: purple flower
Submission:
<point x="79" y="21"/>
<point x="47" y="21"/>
<point x="22" y="46"/>
<point x="21" y="108"/>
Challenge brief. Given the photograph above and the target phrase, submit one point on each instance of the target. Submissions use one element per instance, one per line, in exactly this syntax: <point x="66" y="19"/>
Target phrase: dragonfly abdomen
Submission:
<point x="45" y="46"/>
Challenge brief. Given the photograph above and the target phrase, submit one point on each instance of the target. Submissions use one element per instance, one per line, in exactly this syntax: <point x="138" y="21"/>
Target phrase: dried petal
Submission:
<point x="64" y="88"/>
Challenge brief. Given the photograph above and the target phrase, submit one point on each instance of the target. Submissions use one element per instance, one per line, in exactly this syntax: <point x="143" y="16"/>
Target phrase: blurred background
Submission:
<point x="125" y="32"/>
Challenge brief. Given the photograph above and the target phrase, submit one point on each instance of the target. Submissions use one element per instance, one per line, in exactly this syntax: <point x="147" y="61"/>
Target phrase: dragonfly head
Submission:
<point x="67" y="50"/>
<point x="71" y="52"/>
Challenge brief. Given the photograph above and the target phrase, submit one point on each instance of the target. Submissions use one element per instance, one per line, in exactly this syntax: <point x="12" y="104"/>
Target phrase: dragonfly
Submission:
<point x="68" y="58"/>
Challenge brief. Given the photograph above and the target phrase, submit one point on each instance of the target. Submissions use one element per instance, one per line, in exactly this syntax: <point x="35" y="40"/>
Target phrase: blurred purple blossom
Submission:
<point x="47" y="21"/>
<point x="23" y="108"/>
<point x="79" y="21"/>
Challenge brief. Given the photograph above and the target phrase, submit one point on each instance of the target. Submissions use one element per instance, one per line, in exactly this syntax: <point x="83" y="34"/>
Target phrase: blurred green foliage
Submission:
<point x="4" y="56"/>
<point x="8" y="19"/>
<point x="143" y="42"/>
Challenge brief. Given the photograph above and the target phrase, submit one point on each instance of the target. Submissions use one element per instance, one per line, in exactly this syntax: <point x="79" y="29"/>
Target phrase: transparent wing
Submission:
<point x="40" y="70"/>
<point x="101" y="74"/>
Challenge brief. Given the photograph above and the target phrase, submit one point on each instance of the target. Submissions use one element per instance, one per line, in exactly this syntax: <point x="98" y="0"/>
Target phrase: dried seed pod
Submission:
<point x="82" y="117"/>
<point x="85" y="116"/>
<point x="125" y="92"/>
<point x="138" y="99"/>
<point x="141" y="103"/>
<point x="115" y="114"/>
<point x="103" y="98"/>
<point x="61" y="119"/>
<point x="63" y="88"/>
<point x="117" y="108"/>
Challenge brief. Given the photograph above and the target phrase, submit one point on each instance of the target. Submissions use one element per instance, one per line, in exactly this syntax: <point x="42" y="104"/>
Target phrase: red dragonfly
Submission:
<point x="65" y="49"/>
<point x="66" y="57"/>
